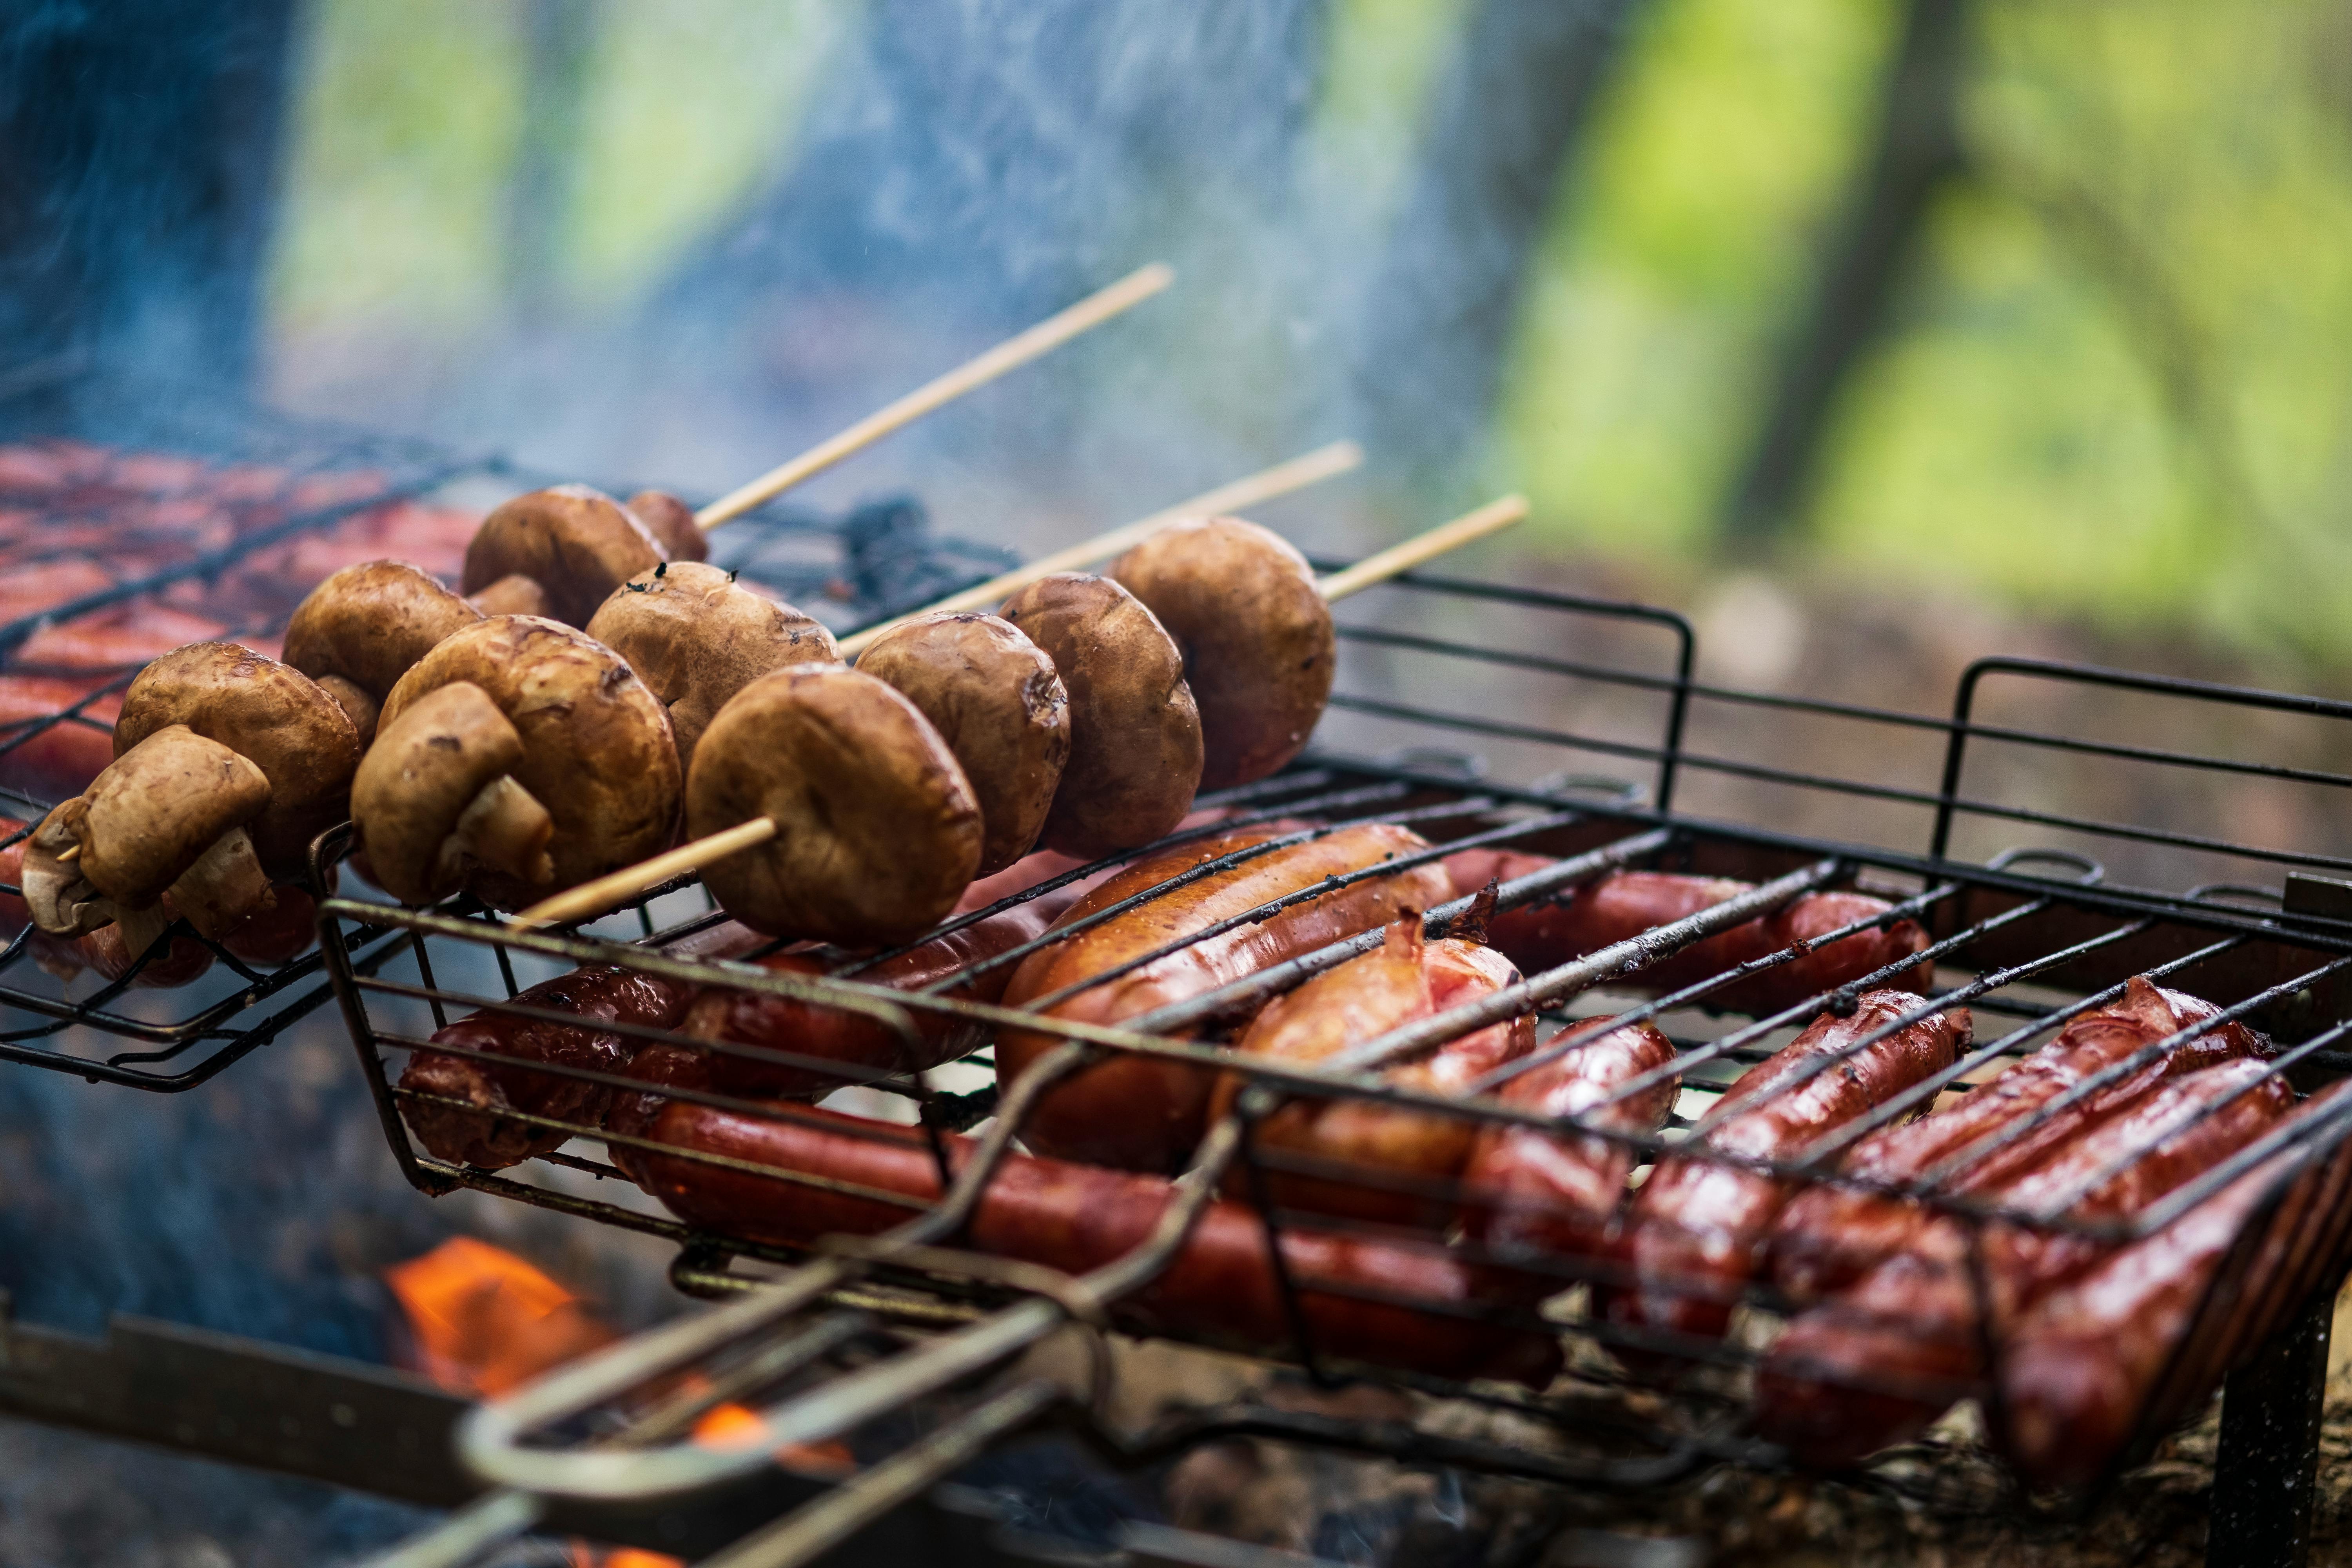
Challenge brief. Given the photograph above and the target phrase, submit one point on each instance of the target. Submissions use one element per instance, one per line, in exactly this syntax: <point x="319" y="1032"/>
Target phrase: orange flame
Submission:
<point x="484" y="1321"/>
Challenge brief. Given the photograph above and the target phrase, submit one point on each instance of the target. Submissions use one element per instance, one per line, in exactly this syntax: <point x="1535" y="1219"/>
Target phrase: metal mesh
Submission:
<point x="2029" y="940"/>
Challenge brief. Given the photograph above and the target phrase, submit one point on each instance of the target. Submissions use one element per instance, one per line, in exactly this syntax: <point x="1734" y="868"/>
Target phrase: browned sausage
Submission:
<point x="1075" y="1219"/>
<point x="861" y="1045"/>
<point x="1554" y="1193"/>
<point x="1695" y="1235"/>
<point x="1829" y="1235"/>
<point x="1552" y="932"/>
<point x="1878" y="1364"/>
<point x="1401" y="1162"/>
<point x="2081" y="1367"/>
<point x="495" y="1067"/>
<point x="1144" y="1114"/>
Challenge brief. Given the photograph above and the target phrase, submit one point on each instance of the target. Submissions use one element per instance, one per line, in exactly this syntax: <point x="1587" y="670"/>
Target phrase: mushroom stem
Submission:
<point x="62" y="901"/>
<point x="140" y="928"/>
<point x="502" y="827"/>
<point x="225" y="886"/>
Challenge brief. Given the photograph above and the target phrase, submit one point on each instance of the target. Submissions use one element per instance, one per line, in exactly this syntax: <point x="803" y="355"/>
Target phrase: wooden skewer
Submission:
<point x="1398" y="559"/>
<point x="1311" y="467"/>
<point x="1014" y="351"/>
<point x="606" y="893"/>
<point x="70" y="853"/>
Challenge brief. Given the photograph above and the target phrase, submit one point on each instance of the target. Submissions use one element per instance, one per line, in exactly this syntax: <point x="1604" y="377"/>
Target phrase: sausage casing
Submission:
<point x="1398" y="1164"/>
<point x="1143" y="1114"/>
<point x="1554" y="1193"/>
<point x="1076" y="1218"/>
<point x="496" y="1064"/>
<point x="1830" y="1235"/>
<point x="1557" y="930"/>
<point x="1696" y="1232"/>
<point x="1877" y="1364"/>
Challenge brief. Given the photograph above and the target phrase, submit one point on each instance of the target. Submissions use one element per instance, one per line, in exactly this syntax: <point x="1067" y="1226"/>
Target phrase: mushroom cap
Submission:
<point x="576" y="542"/>
<point x="1255" y="633"/>
<point x="697" y="637"/>
<point x="153" y="814"/>
<point x="418" y="779"/>
<point x="877" y="831"/>
<point x="297" y="734"/>
<point x="512" y="595"/>
<point x="671" y="521"/>
<point x="597" y="752"/>
<point x="368" y="623"/>
<point x="1135" y="732"/>
<point x="996" y="699"/>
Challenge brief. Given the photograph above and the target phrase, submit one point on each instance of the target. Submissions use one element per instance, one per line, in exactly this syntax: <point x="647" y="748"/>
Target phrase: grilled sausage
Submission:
<point x="1144" y="1114"/>
<point x="1830" y="1235"/>
<point x="1076" y="1219"/>
<point x="1697" y="1229"/>
<point x="2078" y="1374"/>
<point x="1554" y="1193"/>
<point x="1552" y="932"/>
<point x="1878" y="1364"/>
<point x="861" y="1045"/>
<point x="495" y="1064"/>
<point x="1400" y="1161"/>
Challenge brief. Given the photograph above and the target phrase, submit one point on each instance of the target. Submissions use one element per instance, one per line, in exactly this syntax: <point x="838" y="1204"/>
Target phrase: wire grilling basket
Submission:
<point x="903" y="1258"/>
<point x="124" y="533"/>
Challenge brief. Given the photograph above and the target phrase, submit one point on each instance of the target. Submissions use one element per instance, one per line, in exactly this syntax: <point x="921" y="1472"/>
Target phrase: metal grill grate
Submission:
<point x="2032" y="938"/>
<point x="133" y="520"/>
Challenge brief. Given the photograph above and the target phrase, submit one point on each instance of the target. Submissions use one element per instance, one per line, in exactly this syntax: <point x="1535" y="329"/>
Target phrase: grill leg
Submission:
<point x="2268" y="1465"/>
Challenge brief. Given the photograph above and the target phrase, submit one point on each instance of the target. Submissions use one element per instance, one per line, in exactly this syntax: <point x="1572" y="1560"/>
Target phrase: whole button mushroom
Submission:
<point x="1255" y="633"/>
<point x="697" y="637"/>
<point x="363" y="629"/>
<point x="878" y="833"/>
<point x="598" y="755"/>
<point x="671" y="521"/>
<point x="169" y="816"/>
<point x="577" y="544"/>
<point x="437" y="799"/>
<point x="273" y="715"/>
<point x="996" y="699"/>
<point x="1135" y="732"/>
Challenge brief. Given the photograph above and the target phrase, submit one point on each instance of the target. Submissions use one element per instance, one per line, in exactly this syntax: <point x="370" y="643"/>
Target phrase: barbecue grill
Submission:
<point x="225" y="517"/>
<point x="828" y="1337"/>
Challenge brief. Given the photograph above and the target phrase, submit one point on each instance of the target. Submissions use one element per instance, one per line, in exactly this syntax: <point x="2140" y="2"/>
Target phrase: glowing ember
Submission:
<point x="484" y="1321"/>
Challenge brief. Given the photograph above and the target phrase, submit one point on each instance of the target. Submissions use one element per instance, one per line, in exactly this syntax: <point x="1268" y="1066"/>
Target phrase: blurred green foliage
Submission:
<point x="2117" y="385"/>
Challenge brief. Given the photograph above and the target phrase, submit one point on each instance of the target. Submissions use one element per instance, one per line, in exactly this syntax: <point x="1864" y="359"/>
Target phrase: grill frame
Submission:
<point x="2210" y="917"/>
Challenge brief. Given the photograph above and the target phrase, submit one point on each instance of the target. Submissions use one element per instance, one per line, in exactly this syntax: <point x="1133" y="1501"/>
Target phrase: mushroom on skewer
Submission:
<point x="697" y="637"/>
<point x="557" y="767"/>
<point x="874" y="830"/>
<point x="363" y="629"/>
<point x="228" y="764"/>
<point x="1135" y="731"/>
<point x="996" y="700"/>
<point x="1254" y="632"/>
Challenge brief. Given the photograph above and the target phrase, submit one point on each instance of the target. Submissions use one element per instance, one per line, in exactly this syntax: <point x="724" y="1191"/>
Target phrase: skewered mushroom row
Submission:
<point x="512" y="756"/>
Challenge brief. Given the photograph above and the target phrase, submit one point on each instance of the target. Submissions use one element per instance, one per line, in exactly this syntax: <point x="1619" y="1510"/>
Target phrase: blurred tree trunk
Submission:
<point x="1520" y="86"/>
<point x="139" y="146"/>
<point x="1917" y="148"/>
